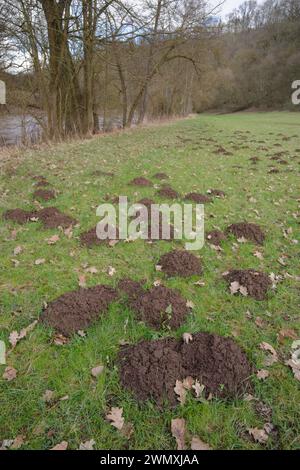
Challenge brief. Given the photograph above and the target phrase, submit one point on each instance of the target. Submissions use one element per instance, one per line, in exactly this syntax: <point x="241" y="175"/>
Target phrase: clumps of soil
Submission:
<point x="274" y="170"/>
<point x="249" y="231"/>
<point x="133" y="289"/>
<point x="257" y="283"/>
<point x="216" y="192"/>
<point x="51" y="217"/>
<point x="44" y="194"/>
<point x="146" y="202"/>
<point x="150" y="369"/>
<point x="161" y="308"/>
<point x="42" y="183"/>
<point x="160" y="176"/>
<point x="90" y="239"/>
<point x="222" y="151"/>
<point x="254" y="159"/>
<point x="180" y="263"/>
<point x="19" y="215"/>
<point x="215" y="237"/>
<point x="198" y="198"/>
<point x="76" y="310"/>
<point x="141" y="181"/>
<point x="167" y="191"/>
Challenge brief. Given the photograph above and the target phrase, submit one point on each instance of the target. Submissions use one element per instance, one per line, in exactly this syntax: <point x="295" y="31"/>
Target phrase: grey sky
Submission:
<point x="230" y="5"/>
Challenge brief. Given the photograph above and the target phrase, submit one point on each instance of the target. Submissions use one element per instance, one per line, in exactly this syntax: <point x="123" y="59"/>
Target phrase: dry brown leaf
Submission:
<point x="198" y="444"/>
<point x="69" y="232"/>
<point x="127" y="430"/>
<point x="91" y="270"/>
<point x="116" y="418"/>
<point x="15" y="337"/>
<point x="9" y="374"/>
<point x="286" y="333"/>
<point x="180" y="392"/>
<point x="198" y="389"/>
<point x="188" y="382"/>
<point x="18" y="442"/>
<point x="60" y="340"/>
<point x="87" y="445"/>
<point x="187" y="337"/>
<point x="178" y="431"/>
<point x="82" y="281"/>
<point x="96" y="371"/>
<point x="18" y="250"/>
<point x="262" y="374"/>
<point x="258" y="255"/>
<point x="52" y="240"/>
<point x="259" y="435"/>
<point x="111" y="271"/>
<point x="39" y="261"/>
<point x="190" y="304"/>
<point x="272" y="357"/>
<point x="48" y="396"/>
<point x="61" y="446"/>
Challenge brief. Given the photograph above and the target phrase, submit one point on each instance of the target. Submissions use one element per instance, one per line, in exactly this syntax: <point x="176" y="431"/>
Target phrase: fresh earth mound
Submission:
<point x="141" y="181"/>
<point x="89" y="238"/>
<point x="42" y="183"/>
<point x="257" y="283"/>
<point x="19" y="215"/>
<point x="53" y="218"/>
<point x="133" y="289"/>
<point x="161" y="308"/>
<point x="198" y="198"/>
<point x="150" y="369"/>
<point x="168" y="192"/>
<point x="160" y="176"/>
<point x="76" y="310"/>
<point x="44" y="194"/>
<point x="249" y="231"/>
<point x="215" y="237"/>
<point x="180" y="263"/>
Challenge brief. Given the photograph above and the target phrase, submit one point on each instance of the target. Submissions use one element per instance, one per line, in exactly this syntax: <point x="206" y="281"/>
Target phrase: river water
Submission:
<point x="17" y="129"/>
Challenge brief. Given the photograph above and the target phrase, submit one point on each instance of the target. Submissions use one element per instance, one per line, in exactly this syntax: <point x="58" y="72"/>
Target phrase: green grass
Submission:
<point x="178" y="150"/>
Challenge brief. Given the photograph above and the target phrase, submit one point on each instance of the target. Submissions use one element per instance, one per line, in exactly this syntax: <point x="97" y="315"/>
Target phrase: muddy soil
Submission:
<point x="141" y="181"/>
<point x="249" y="231"/>
<point x="180" y="263"/>
<point x="215" y="237"/>
<point x="198" y="198"/>
<point x="44" y="194"/>
<point x="257" y="283"/>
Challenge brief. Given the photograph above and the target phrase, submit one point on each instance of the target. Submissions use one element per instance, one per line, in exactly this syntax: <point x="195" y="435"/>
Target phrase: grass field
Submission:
<point x="180" y="150"/>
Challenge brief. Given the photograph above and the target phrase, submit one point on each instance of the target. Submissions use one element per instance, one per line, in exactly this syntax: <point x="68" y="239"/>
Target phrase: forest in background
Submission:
<point x="76" y="60"/>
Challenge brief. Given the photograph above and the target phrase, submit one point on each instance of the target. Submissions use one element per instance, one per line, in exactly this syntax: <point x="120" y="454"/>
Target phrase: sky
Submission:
<point x="230" y="5"/>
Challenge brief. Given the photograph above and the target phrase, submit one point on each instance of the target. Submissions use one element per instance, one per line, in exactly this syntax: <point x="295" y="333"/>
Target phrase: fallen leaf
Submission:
<point x="199" y="388"/>
<point x="258" y="255"/>
<point x="158" y="267"/>
<point x="273" y="357"/>
<point x="87" y="445"/>
<point x="39" y="261"/>
<point x="48" y="396"/>
<point x="198" y="444"/>
<point x="157" y="283"/>
<point x="259" y="322"/>
<point x="180" y="392"/>
<point x="9" y="374"/>
<point x="116" y="418"/>
<point x="15" y="337"/>
<point x="2" y="353"/>
<point x="81" y="333"/>
<point x="60" y="340"/>
<point x="82" y="281"/>
<point x="18" y="250"/>
<point x="262" y="374"/>
<point x="96" y="371"/>
<point x="286" y="333"/>
<point x="199" y="283"/>
<point x="178" y="432"/>
<point x="69" y="232"/>
<point x="259" y="435"/>
<point x="188" y="382"/>
<point x="187" y="337"/>
<point x="91" y="270"/>
<point x="190" y="304"/>
<point x="52" y="240"/>
<point x="111" y="271"/>
<point x="18" y="442"/>
<point x="127" y="430"/>
<point x="61" y="446"/>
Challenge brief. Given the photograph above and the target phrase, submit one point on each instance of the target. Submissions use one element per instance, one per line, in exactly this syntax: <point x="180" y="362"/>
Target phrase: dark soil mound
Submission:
<point x="76" y="310"/>
<point x="180" y="263"/>
<point x="161" y="307"/>
<point x="222" y="151"/>
<point x="44" y="194"/>
<point x="215" y="237"/>
<point x="168" y="192"/>
<point x="198" y="198"/>
<point x="141" y="181"/>
<point x="133" y="289"/>
<point x="251" y="232"/>
<point x="42" y="183"/>
<point x="146" y="202"/>
<point x="53" y="218"/>
<point x="160" y="176"/>
<point x="19" y="215"/>
<point x="89" y="238"/>
<point x="254" y="159"/>
<point x="150" y="369"/>
<point x="274" y="170"/>
<point x="216" y="193"/>
<point x="256" y="282"/>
